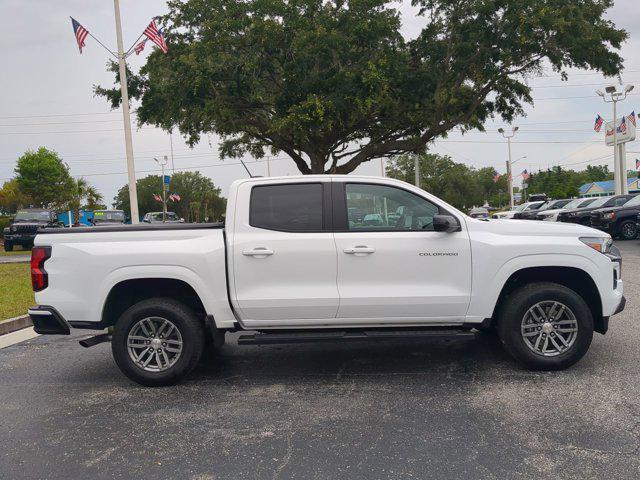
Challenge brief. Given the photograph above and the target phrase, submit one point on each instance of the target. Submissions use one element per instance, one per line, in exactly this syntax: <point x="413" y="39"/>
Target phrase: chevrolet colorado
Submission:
<point x="291" y="265"/>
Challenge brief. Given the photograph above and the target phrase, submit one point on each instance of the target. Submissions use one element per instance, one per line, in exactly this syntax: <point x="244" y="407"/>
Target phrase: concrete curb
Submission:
<point x="9" y="259"/>
<point x="13" y="324"/>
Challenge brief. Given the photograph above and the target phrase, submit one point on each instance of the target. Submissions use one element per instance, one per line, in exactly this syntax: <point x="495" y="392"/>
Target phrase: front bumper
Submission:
<point x="47" y="321"/>
<point x="19" y="238"/>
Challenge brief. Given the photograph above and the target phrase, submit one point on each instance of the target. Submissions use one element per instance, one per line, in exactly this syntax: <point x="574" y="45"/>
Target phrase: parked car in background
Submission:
<point x="520" y="208"/>
<point x="535" y="197"/>
<point x="24" y="226"/>
<point x="552" y="215"/>
<point x="108" y="217"/>
<point x="157" y="217"/>
<point x="549" y="205"/>
<point x="619" y="221"/>
<point x="479" y="212"/>
<point x="583" y="215"/>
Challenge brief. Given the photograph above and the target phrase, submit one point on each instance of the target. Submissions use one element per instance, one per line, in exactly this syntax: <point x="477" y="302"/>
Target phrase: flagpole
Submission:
<point x="133" y="192"/>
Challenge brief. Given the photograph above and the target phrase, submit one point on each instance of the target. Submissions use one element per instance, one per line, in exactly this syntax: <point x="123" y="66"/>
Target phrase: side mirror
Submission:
<point x="445" y="223"/>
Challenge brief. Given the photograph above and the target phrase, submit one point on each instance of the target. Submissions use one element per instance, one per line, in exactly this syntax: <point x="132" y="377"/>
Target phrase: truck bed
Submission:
<point x="146" y="227"/>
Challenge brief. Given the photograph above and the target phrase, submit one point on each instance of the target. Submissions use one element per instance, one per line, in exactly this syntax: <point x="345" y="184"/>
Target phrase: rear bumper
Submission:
<point x="47" y="321"/>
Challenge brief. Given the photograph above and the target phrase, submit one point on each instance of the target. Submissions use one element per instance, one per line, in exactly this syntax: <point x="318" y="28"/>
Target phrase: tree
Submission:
<point x="460" y="185"/>
<point x="81" y="192"/>
<point x="192" y="187"/>
<point x="333" y="84"/>
<point x="12" y="198"/>
<point x="44" y="178"/>
<point x="558" y="182"/>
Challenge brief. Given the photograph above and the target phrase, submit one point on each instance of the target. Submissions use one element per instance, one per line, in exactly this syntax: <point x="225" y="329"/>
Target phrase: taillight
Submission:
<point x="39" y="277"/>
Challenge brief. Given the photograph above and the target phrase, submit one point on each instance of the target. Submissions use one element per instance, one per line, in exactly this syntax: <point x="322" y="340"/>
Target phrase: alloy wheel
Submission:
<point x="549" y="328"/>
<point x="154" y="344"/>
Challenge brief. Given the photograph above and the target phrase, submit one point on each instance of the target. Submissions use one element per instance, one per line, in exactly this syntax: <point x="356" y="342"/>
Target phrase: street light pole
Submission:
<point x="131" y="171"/>
<point x="164" y="188"/>
<point x="509" y="176"/>
<point x="416" y="165"/>
<point x="619" y="154"/>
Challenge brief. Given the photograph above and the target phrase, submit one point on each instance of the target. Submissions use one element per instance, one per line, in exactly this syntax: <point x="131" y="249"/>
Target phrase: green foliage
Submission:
<point x="44" y="178"/>
<point x="332" y="83"/>
<point x="462" y="186"/>
<point x="5" y="220"/>
<point x="560" y="183"/>
<point x="80" y="191"/>
<point x="11" y="197"/>
<point x="199" y="197"/>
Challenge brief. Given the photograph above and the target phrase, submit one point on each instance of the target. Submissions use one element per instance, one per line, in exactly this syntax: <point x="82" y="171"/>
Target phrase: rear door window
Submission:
<point x="287" y="207"/>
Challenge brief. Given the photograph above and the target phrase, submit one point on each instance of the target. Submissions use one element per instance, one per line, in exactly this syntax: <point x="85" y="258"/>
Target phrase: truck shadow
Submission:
<point x="338" y="360"/>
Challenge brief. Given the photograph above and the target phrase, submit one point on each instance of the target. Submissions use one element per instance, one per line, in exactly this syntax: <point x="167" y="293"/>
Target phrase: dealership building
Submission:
<point x="606" y="188"/>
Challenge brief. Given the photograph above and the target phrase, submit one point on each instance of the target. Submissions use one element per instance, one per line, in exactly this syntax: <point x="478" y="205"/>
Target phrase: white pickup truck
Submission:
<point x="326" y="258"/>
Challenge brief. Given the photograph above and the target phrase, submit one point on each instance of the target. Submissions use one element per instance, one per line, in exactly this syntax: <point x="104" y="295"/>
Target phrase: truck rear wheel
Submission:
<point x="157" y="342"/>
<point x="545" y="326"/>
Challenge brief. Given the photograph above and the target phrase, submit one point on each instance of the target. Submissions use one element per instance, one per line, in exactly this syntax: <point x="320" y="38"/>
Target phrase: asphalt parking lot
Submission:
<point x="427" y="409"/>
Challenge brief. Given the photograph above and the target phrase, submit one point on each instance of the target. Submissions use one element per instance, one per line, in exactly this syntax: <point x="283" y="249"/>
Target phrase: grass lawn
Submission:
<point x="17" y="250"/>
<point x="16" y="295"/>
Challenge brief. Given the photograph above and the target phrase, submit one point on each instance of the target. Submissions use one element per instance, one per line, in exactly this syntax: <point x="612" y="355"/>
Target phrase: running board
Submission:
<point x="351" y="336"/>
<point x="95" y="340"/>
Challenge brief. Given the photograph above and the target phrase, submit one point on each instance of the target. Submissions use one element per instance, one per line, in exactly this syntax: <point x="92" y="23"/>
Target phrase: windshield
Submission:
<point x="108" y="216"/>
<point x="33" y="215"/>
<point x="600" y="201"/>
<point x="634" y="201"/>
<point x="578" y="202"/>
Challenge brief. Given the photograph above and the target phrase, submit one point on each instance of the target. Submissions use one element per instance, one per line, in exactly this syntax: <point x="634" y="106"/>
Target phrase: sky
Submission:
<point x="46" y="99"/>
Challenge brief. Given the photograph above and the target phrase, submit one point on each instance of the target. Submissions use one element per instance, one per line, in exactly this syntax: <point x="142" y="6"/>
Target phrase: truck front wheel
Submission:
<point x="8" y="247"/>
<point x="157" y="342"/>
<point x="545" y="326"/>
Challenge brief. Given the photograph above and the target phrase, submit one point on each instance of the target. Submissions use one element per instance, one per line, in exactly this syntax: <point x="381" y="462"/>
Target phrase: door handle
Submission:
<point x="258" y="252"/>
<point x="359" y="250"/>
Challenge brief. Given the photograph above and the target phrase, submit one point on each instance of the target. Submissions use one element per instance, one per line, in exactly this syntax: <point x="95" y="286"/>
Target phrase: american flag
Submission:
<point x="175" y="197"/>
<point x="525" y="175"/>
<point x="155" y="36"/>
<point x="598" y="123"/>
<point x="80" y="32"/>
<point x="496" y="177"/>
<point x="632" y="118"/>
<point x="157" y="197"/>
<point x="140" y="47"/>
<point x="638" y="164"/>
<point x="623" y="126"/>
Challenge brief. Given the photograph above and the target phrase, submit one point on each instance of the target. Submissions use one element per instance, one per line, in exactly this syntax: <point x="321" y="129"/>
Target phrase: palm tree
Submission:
<point x="80" y="192"/>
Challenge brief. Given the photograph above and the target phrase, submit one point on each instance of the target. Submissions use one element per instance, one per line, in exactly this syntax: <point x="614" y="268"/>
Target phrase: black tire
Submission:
<point x="516" y="306"/>
<point x="186" y="322"/>
<point x="628" y="230"/>
<point x="8" y="247"/>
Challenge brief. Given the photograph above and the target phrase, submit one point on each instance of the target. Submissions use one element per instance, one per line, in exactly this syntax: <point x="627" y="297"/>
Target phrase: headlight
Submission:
<point x="609" y="215"/>
<point x="601" y="244"/>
